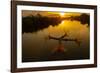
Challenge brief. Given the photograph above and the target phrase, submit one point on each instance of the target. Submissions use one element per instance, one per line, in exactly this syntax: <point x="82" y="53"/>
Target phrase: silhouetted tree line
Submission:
<point x="83" y="18"/>
<point x="38" y="22"/>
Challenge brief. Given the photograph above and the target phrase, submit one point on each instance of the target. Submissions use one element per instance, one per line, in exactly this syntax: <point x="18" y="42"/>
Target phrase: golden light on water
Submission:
<point x="65" y="25"/>
<point x="75" y="27"/>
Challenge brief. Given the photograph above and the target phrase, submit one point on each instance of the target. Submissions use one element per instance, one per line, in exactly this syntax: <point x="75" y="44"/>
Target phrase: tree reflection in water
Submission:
<point x="39" y="22"/>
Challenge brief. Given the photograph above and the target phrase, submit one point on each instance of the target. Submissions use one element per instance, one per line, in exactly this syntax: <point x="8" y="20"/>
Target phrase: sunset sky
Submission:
<point x="46" y="13"/>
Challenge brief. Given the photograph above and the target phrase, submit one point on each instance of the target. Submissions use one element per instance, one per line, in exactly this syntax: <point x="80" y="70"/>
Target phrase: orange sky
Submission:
<point x="45" y="13"/>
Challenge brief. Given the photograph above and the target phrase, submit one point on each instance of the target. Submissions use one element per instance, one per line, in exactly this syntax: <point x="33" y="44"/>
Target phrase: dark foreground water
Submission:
<point x="37" y="47"/>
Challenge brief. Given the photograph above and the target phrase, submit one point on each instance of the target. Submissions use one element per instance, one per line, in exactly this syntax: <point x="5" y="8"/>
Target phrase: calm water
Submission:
<point x="37" y="47"/>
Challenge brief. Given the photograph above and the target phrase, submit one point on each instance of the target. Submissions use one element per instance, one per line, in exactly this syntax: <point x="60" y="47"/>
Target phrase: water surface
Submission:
<point x="37" y="47"/>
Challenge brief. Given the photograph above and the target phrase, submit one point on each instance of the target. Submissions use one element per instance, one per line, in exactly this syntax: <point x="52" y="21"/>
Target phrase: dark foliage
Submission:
<point x="83" y="18"/>
<point x="38" y="22"/>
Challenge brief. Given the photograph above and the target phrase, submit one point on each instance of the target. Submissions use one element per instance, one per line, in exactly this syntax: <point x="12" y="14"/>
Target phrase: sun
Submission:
<point x="62" y="14"/>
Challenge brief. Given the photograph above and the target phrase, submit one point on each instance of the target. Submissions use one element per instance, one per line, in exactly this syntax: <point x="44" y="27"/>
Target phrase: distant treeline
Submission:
<point x="39" y="22"/>
<point x="83" y="18"/>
